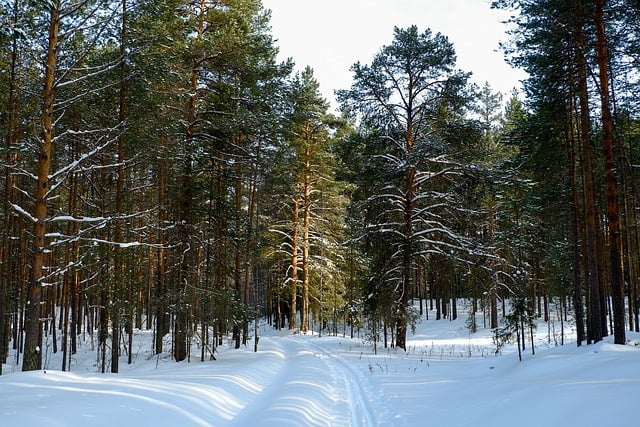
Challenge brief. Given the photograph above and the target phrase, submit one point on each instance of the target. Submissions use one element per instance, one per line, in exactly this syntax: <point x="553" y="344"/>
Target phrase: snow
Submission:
<point x="446" y="377"/>
<point x="81" y="219"/>
<point x="20" y="210"/>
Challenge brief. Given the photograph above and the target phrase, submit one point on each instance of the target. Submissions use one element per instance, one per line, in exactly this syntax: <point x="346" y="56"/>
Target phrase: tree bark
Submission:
<point x="33" y="338"/>
<point x="594" y="314"/>
<point x="162" y="319"/>
<point x="238" y="260"/>
<point x="407" y="257"/>
<point x="293" y="286"/>
<point x="493" y="292"/>
<point x="306" y="217"/>
<point x="186" y="201"/>
<point x="613" y="218"/>
<point x="575" y="232"/>
<point x="122" y="116"/>
<point x="6" y="251"/>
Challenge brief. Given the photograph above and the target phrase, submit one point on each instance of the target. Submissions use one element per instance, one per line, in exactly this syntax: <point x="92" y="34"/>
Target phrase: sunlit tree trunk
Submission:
<point x="33" y="339"/>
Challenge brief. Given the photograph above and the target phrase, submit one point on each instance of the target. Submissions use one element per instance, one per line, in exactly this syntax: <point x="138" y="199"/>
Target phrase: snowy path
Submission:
<point x="291" y="381"/>
<point x="314" y="388"/>
<point x="366" y="401"/>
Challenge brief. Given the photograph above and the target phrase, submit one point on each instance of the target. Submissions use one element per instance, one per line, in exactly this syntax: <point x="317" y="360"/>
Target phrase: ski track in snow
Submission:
<point x="296" y="394"/>
<point x="314" y="388"/>
<point x="357" y="396"/>
<point x="367" y="404"/>
<point x="346" y="379"/>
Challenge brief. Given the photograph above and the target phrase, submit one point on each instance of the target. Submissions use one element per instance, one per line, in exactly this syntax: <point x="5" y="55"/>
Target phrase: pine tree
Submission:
<point x="613" y="209"/>
<point x="33" y="338"/>
<point x="410" y="100"/>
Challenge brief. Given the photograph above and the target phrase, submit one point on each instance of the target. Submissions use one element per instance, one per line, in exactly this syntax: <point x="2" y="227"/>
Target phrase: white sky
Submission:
<point x="331" y="35"/>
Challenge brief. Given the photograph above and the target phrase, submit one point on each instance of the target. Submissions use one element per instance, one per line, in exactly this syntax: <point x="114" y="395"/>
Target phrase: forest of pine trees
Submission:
<point x="162" y="170"/>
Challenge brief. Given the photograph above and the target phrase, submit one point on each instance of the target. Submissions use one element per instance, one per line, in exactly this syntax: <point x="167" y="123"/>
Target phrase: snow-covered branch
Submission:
<point x="23" y="212"/>
<point x="71" y="166"/>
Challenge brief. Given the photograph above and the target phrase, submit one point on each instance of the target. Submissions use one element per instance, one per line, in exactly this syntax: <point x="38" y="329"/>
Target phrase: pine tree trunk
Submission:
<point x="65" y="297"/>
<point x="186" y="203"/>
<point x="252" y="220"/>
<point x="594" y="314"/>
<point x="294" y="263"/>
<point x="613" y="219"/>
<point x="629" y="247"/>
<point x="220" y="251"/>
<point x="304" y="323"/>
<point x="238" y="264"/>
<point x="162" y="321"/>
<point x="407" y="258"/>
<point x="117" y="254"/>
<point x="68" y="278"/>
<point x="634" y="296"/>
<point x="32" y="346"/>
<point x="7" y="247"/>
<point x="104" y="323"/>
<point x="76" y="309"/>
<point x="493" y="293"/>
<point x="575" y="233"/>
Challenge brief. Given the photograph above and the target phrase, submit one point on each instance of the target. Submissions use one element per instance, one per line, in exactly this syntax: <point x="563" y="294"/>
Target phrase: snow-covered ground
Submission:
<point x="447" y="377"/>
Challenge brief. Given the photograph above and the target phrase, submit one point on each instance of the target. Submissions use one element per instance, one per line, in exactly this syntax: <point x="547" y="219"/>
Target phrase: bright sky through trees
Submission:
<point x="330" y="35"/>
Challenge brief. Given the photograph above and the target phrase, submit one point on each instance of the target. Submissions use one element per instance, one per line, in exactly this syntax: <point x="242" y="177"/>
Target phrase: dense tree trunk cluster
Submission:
<point x="579" y="56"/>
